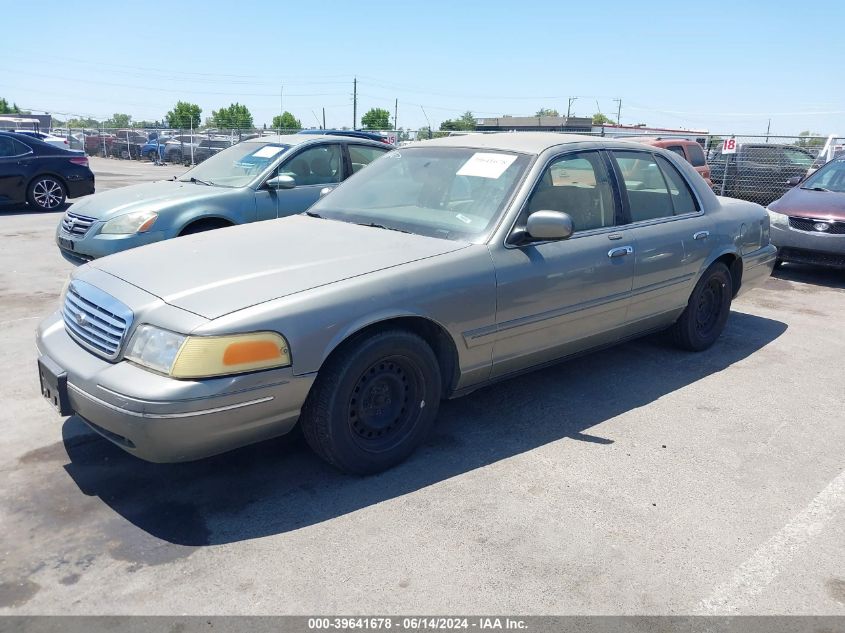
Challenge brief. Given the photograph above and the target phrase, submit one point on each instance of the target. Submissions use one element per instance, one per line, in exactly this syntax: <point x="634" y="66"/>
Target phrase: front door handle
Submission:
<point x="620" y="251"/>
<point x="701" y="235"/>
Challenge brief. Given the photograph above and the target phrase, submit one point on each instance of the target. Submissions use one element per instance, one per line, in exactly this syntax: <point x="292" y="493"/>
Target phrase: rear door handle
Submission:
<point x="701" y="235"/>
<point x="620" y="251"/>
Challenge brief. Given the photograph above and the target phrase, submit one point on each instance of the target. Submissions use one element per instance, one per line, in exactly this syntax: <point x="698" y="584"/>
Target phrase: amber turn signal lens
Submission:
<point x="251" y="352"/>
<point x="207" y="356"/>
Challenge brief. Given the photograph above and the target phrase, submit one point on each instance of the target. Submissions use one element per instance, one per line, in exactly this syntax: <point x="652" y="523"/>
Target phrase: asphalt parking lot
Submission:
<point x="637" y="480"/>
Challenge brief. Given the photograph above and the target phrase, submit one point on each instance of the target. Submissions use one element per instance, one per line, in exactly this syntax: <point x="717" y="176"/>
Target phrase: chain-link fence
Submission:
<point x="756" y="168"/>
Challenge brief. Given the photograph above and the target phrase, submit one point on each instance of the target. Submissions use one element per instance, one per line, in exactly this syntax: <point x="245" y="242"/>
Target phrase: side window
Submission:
<point x="682" y="198"/>
<point x="319" y="165"/>
<point x="362" y="155"/>
<point x="577" y="184"/>
<point x="648" y="194"/>
<point x="678" y="150"/>
<point x="7" y="147"/>
<point x="696" y="155"/>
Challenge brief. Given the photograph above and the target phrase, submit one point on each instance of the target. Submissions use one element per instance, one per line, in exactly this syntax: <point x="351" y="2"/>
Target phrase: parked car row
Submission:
<point x="413" y="275"/>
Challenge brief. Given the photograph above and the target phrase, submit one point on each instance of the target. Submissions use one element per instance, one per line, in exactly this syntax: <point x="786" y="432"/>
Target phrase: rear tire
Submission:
<point x="704" y="318"/>
<point x="373" y="403"/>
<point x="46" y="193"/>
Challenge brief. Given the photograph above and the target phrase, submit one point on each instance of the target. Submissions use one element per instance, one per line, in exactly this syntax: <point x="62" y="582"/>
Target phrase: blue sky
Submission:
<point x="723" y="66"/>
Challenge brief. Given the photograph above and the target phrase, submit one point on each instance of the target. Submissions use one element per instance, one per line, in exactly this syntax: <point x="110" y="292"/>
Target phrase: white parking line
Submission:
<point x="752" y="577"/>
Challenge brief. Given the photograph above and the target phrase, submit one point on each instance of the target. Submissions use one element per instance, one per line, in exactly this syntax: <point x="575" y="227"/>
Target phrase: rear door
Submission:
<point x="667" y="224"/>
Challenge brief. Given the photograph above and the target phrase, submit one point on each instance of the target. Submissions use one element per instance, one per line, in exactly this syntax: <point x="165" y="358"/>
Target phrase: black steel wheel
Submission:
<point x="704" y="318"/>
<point x="46" y="193"/>
<point x="373" y="402"/>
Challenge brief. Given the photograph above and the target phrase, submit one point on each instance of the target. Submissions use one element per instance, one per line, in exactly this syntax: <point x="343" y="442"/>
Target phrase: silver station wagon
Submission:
<point x="442" y="267"/>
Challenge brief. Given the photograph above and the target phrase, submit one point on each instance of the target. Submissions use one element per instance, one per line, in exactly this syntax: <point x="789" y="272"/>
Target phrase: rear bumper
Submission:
<point x="82" y="187"/>
<point x="757" y="266"/>
<point x="160" y="419"/>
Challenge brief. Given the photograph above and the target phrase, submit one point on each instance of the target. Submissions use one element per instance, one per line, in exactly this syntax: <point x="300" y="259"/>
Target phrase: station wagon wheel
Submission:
<point x="373" y="402"/>
<point x="707" y="310"/>
<point x="46" y="193"/>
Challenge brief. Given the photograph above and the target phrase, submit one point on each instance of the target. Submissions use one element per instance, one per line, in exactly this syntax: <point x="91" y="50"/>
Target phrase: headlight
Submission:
<point x="137" y="222"/>
<point x="183" y="356"/>
<point x="777" y="219"/>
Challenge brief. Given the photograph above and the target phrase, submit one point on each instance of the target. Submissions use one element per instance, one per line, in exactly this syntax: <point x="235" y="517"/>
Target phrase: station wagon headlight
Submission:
<point x="183" y="356"/>
<point x="777" y="219"/>
<point x="136" y="222"/>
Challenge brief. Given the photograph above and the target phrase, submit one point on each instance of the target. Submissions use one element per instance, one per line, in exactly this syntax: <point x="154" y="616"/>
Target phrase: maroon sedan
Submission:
<point x="808" y="222"/>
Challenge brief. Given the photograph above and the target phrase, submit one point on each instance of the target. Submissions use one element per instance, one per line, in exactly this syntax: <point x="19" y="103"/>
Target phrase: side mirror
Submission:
<point x="549" y="225"/>
<point x="326" y="191"/>
<point x="281" y="182"/>
<point x="795" y="180"/>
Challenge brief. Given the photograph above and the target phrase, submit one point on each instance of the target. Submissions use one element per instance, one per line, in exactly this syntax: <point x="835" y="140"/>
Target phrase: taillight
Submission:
<point x="82" y="160"/>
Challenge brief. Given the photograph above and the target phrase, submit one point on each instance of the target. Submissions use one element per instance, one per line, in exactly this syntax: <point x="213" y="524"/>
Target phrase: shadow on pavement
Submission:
<point x="818" y="275"/>
<point x="279" y="485"/>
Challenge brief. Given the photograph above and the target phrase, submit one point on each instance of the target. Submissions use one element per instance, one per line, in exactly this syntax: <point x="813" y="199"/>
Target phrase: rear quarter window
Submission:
<point x="696" y="155"/>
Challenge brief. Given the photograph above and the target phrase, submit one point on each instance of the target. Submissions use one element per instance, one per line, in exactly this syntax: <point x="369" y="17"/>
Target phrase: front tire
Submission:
<point x="373" y="402"/>
<point x="707" y="310"/>
<point x="46" y="193"/>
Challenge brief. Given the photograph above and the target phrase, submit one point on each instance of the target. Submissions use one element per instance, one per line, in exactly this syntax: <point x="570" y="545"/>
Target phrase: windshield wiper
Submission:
<point x="200" y="182"/>
<point x="312" y="214"/>
<point x="381" y="226"/>
<point x="816" y="188"/>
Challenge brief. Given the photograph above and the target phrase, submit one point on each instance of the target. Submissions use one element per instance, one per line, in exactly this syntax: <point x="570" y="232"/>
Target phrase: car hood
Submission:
<point x="218" y="272"/>
<point x="807" y="203"/>
<point x="153" y="196"/>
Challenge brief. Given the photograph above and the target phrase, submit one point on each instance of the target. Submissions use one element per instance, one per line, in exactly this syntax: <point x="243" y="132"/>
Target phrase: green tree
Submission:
<point x="86" y="122"/>
<point x="376" y="119"/>
<point x="601" y="119"/>
<point x="184" y="115"/>
<point x="466" y="122"/>
<point x="547" y="112"/>
<point x="118" y="120"/>
<point x="286" y="121"/>
<point x="236" y="116"/>
<point x="5" y="108"/>
<point x="810" y="139"/>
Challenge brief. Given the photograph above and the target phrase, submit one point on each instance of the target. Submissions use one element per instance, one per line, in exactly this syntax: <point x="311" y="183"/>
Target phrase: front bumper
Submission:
<point x="809" y="247"/>
<point x="94" y="244"/>
<point x="161" y="419"/>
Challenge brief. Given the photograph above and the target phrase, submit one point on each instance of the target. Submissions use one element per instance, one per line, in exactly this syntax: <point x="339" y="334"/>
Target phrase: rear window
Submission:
<point x="678" y="150"/>
<point x="696" y="155"/>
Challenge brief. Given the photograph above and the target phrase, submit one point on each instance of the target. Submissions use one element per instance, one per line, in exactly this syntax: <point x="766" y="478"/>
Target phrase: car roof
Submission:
<point x="298" y="139"/>
<point x="523" y="142"/>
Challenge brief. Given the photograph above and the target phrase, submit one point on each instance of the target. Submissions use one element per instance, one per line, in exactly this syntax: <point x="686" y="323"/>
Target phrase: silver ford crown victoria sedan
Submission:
<point x="258" y="179"/>
<point x="442" y="267"/>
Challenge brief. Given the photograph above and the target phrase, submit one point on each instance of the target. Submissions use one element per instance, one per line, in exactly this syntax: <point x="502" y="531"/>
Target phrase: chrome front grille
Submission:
<point x="834" y="227"/>
<point x="75" y="224"/>
<point x="95" y="319"/>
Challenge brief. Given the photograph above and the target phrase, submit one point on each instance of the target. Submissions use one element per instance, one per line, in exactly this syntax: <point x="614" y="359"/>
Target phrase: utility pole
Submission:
<point x="768" y="129"/>
<point x="396" y="115"/>
<point x="324" y="118"/>
<point x="569" y="106"/>
<point x="354" y="103"/>
<point x="618" y="111"/>
<point x="281" y="105"/>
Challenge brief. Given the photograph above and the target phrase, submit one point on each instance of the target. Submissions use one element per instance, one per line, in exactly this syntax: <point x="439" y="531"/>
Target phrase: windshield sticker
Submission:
<point x="268" y="151"/>
<point x="486" y="165"/>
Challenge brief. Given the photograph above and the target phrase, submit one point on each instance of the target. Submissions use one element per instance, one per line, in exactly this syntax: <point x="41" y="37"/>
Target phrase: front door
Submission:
<point x="557" y="298"/>
<point x="313" y="168"/>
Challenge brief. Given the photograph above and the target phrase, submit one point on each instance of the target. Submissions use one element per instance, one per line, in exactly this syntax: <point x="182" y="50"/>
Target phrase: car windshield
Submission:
<point x="235" y="166"/>
<point x="445" y="192"/>
<point x="831" y="177"/>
